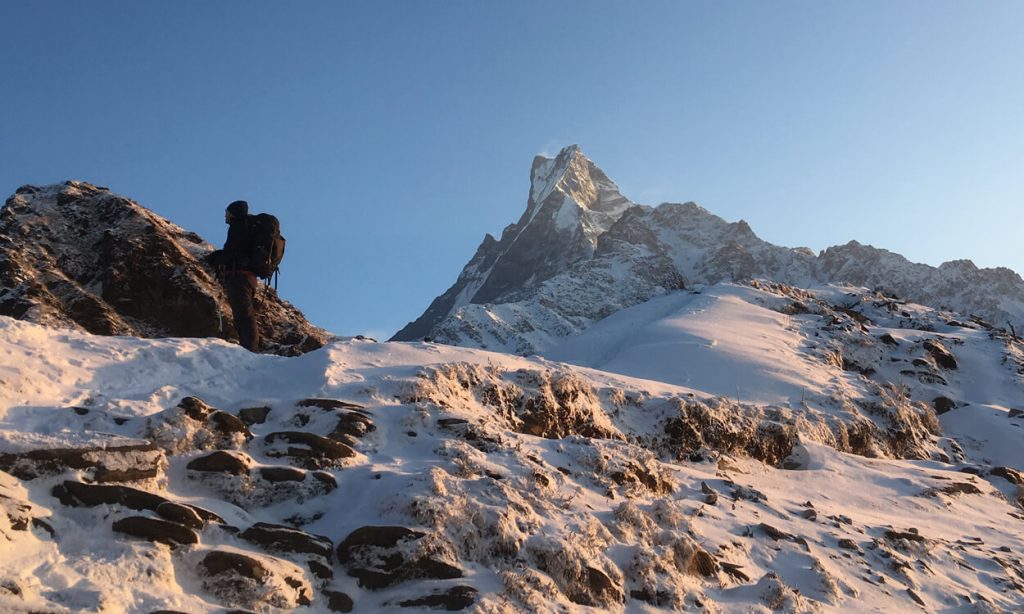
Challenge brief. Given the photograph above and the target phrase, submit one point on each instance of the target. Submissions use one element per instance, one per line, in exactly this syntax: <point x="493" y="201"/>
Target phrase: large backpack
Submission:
<point x="267" y="245"/>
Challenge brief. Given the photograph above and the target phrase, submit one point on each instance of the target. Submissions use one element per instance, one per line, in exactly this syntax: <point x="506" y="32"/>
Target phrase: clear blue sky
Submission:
<point x="390" y="136"/>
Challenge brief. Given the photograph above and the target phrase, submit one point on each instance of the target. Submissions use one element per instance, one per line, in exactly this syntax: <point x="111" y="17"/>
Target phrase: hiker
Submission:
<point x="239" y="279"/>
<point x="254" y="249"/>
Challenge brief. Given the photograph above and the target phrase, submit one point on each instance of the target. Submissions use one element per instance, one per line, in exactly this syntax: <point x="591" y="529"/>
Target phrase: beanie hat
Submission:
<point x="239" y="208"/>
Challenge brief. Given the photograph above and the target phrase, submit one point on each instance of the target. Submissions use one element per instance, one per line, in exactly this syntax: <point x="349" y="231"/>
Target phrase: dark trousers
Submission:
<point x="241" y="291"/>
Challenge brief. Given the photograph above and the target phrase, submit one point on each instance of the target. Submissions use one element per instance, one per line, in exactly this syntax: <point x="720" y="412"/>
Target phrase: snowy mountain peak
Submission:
<point x="582" y="191"/>
<point x="571" y="204"/>
<point x="582" y="251"/>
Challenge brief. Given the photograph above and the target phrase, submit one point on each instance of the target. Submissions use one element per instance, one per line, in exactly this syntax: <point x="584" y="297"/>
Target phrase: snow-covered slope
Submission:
<point x="397" y="477"/>
<point x="774" y="344"/>
<point x="588" y="252"/>
<point x="706" y="339"/>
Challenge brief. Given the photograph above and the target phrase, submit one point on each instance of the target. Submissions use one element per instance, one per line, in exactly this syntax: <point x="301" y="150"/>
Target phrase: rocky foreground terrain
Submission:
<point x="77" y="255"/>
<point x="192" y="476"/>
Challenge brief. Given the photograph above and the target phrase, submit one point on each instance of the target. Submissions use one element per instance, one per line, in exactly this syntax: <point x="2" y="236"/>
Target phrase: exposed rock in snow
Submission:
<point x="78" y="256"/>
<point x="106" y="458"/>
<point x="156" y="530"/>
<point x="246" y="581"/>
<point x="194" y="425"/>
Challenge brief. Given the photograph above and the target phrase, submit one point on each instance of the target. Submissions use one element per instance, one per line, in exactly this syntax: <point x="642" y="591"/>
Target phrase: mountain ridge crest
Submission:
<point x="580" y="233"/>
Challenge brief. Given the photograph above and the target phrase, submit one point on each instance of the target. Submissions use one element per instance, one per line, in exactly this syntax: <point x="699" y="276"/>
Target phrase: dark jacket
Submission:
<point x="235" y="255"/>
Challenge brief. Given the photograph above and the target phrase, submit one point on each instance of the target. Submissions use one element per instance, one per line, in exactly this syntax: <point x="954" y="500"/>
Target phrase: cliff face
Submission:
<point x="582" y="251"/>
<point x="78" y="256"/>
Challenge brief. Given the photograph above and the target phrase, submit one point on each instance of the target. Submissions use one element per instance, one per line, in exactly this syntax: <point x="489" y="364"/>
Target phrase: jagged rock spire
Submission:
<point x="571" y="203"/>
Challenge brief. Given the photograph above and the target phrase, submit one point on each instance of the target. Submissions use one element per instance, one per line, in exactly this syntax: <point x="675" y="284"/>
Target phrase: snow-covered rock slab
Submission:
<point x="105" y="458"/>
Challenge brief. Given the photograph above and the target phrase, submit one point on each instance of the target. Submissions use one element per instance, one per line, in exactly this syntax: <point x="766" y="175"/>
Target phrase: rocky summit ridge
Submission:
<point x="78" y="256"/>
<point x="582" y="251"/>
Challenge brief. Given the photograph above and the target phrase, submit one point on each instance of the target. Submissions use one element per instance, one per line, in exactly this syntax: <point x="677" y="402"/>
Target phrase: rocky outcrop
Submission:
<point x="307" y="449"/>
<point x="265" y="566"/>
<point x="156" y="530"/>
<point x="194" y="425"/>
<point x="454" y="599"/>
<point x="17" y="512"/>
<point x="380" y="556"/>
<point x="79" y="256"/>
<point x="76" y="494"/>
<point x="104" y="458"/>
<point x="250" y="582"/>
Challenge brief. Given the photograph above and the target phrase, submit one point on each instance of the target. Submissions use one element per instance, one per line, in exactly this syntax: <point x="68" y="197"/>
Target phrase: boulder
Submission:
<point x="181" y="514"/>
<point x="282" y="474"/>
<point x="220" y="462"/>
<point x="156" y="530"/>
<point x="286" y="539"/>
<point x="1010" y="475"/>
<point x="943" y="404"/>
<point x="17" y="507"/>
<point x="328" y="404"/>
<point x="454" y="599"/>
<point x="194" y="425"/>
<point x="320" y="570"/>
<point x="352" y="425"/>
<point x="105" y="458"/>
<point x="254" y="415"/>
<point x="262" y="584"/>
<point x="942" y="356"/>
<point x="219" y="562"/>
<point x="338" y="601"/>
<point x="226" y="423"/>
<point x="848" y="544"/>
<point x="264" y="485"/>
<point x="307" y="449"/>
<point x="77" y="494"/>
<point x="380" y="556"/>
